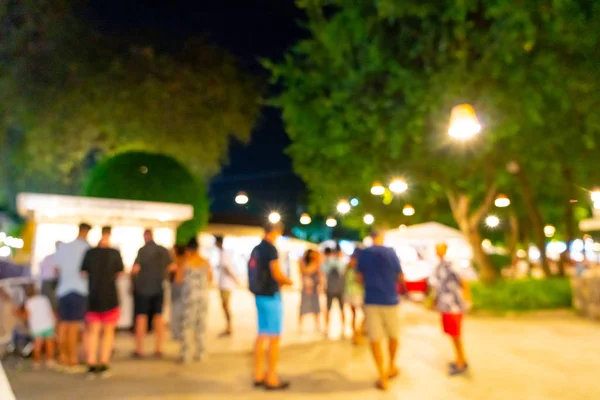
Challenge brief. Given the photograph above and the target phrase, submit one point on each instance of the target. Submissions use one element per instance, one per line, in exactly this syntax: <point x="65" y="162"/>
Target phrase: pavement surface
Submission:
<point x="543" y="356"/>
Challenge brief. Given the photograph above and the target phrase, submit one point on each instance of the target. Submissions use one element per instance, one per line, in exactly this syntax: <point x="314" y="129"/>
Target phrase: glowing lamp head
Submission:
<point x="305" y="219"/>
<point x="492" y="221"/>
<point x="463" y="122"/>
<point x="331" y="222"/>
<point x="343" y="207"/>
<point x="241" y="198"/>
<point x="408" y="210"/>
<point x="549" y="231"/>
<point x="595" y="195"/>
<point x="274" y="217"/>
<point x="502" y="201"/>
<point x="398" y="186"/>
<point x="377" y="189"/>
<point x="368" y="219"/>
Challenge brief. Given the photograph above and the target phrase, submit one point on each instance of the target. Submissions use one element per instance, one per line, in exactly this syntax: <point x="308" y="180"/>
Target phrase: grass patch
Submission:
<point x="522" y="295"/>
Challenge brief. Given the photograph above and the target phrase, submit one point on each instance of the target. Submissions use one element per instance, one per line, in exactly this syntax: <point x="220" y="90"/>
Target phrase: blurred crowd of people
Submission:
<point x="78" y="307"/>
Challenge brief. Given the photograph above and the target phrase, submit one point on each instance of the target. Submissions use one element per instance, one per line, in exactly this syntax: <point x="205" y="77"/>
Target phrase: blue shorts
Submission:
<point x="269" y="310"/>
<point x="72" y="307"/>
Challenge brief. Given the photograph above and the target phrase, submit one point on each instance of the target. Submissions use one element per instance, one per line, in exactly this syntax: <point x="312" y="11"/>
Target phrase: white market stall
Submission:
<point x="415" y="246"/>
<point x="57" y="217"/>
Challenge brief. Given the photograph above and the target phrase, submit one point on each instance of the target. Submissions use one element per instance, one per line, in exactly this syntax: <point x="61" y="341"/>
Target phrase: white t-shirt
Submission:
<point x="68" y="259"/>
<point x="39" y="313"/>
<point x="224" y="263"/>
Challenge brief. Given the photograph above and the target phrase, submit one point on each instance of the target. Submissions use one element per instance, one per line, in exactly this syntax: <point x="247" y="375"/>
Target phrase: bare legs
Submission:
<point x="93" y="343"/>
<point x="141" y="328"/>
<point x="269" y="377"/>
<point x="458" y="349"/>
<point x="378" y="358"/>
<point x="227" y="311"/>
<point x="41" y="344"/>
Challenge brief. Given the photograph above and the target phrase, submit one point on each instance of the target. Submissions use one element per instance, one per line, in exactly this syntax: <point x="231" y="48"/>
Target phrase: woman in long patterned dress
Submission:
<point x="311" y="288"/>
<point x="196" y="287"/>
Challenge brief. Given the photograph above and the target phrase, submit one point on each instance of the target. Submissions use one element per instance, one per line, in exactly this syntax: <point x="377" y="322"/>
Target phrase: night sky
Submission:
<point x="251" y="30"/>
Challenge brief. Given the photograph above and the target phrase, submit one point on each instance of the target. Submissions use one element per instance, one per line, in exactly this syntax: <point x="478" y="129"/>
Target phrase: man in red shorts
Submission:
<point x="451" y="297"/>
<point x="102" y="264"/>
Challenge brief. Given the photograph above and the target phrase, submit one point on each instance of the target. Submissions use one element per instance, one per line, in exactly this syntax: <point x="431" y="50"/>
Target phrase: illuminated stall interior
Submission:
<point x="57" y="218"/>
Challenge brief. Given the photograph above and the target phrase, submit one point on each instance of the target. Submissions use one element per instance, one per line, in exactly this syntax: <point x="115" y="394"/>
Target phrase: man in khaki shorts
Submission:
<point x="379" y="270"/>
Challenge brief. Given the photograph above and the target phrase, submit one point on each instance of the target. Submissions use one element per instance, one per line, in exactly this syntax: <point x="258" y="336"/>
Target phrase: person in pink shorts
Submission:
<point x="102" y="265"/>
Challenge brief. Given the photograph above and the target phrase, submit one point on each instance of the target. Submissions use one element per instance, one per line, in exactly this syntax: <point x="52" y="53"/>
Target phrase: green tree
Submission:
<point x="151" y="177"/>
<point x="369" y="95"/>
<point x="71" y="91"/>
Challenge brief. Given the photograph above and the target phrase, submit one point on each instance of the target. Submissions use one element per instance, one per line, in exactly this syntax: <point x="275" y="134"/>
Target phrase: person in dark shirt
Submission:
<point x="149" y="272"/>
<point x="102" y="265"/>
<point x="379" y="270"/>
<point x="265" y="278"/>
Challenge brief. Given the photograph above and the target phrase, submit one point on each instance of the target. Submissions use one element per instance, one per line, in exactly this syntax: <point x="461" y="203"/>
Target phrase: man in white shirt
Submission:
<point x="72" y="291"/>
<point x="227" y="281"/>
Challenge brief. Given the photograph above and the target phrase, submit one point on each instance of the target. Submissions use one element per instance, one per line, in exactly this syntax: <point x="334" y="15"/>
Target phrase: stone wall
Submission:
<point x="586" y="294"/>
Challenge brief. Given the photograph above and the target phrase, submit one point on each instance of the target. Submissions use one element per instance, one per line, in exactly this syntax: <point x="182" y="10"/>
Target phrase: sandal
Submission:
<point x="380" y="386"/>
<point x="280" y="386"/>
<point x="258" y="384"/>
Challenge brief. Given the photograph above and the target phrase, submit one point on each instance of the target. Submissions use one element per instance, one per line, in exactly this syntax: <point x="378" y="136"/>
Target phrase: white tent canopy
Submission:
<point x="428" y="231"/>
<point x="415" y="245"/>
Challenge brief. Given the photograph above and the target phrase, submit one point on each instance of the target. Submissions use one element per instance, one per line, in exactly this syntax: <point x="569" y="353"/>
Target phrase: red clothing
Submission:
<point x="452" y="324"/>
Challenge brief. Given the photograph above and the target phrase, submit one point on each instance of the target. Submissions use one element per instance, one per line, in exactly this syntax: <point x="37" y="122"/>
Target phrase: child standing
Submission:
<point x="40" y="317"/>
<point x="354" y="296"/>
<point x="451" y="297"/>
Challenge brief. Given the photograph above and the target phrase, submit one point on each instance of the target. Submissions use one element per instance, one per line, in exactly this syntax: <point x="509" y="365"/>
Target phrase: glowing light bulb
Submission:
<point x="305" y="219"/>
<point x="274" y="217"/>
<point x="408" y="210"/>
<point x="463" y="122"/>
<point x="368" y="219"/>
<point x="344" y="207"/>
<point x="241" y="198"/>
<point x="398" y="186"/>
<point x="492" y="221"/>
<point x="377" y="189"/>
<point x="331" y="222"/>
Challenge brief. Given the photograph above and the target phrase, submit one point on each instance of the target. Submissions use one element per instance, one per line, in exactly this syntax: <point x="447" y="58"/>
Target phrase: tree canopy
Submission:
<point x="70" y="92"/>
<point x="151" y="177"/>
<point x="368" y="97"/>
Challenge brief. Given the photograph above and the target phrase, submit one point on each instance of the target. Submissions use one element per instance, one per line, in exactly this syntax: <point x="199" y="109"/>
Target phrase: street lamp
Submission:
<point x="331" y="222"/>
<point x="305" y="219"/>
<point x="377" y="189"/>
<point x="368" y="219"/>
<point x="398" y="186"/>
<point x="241" y="198"/>
<point x="408" y="210"/>
<point x="549" y="231"/>
<point x="463" y="122"/>
<point x="492" y="221"/>
<point x="343" y="207"/>
<point x="274" y="217"/>
<point x="502" y="201"/>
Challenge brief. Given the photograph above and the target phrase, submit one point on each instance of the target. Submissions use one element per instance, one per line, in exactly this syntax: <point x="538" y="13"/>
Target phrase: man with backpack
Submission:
<point x="265" y="279"/>
<point x="334" y="271"/>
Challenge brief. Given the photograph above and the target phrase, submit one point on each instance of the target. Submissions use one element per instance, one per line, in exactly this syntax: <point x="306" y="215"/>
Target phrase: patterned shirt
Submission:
<point x="449" y="289"/>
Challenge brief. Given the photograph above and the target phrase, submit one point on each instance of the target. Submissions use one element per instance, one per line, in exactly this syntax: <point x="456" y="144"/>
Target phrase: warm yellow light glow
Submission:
<point x="369" y="219"/>
<point x="492" y="221"/>
<point x="486" y="243"/>
<point x="463" y="122"/>
<point x="305" y="219"/>
<point x="274" y="217"/>
<point x="241" y="198"/>
<point x="408" y="210"/>
<point x="521" y="253"/>
<point x="502" y="201"/>
<point x="398" y="186"/>
<point x="402" y="227"/>
<point x="331" y="222"/>
<point x="549" y="231"/>
<point x="595" y="196"/>
<point x="377" y="189"/>
<point x="343" y="207"/>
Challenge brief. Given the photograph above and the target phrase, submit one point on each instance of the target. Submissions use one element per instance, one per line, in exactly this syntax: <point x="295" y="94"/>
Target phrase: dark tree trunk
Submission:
<point x="469" y="226"/>
<point x="536" y="220"/>
<point x="513" y="241"/>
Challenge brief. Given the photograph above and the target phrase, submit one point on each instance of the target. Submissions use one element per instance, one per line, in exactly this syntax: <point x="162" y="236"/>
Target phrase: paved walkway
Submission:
<point x="545" y="357"/>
